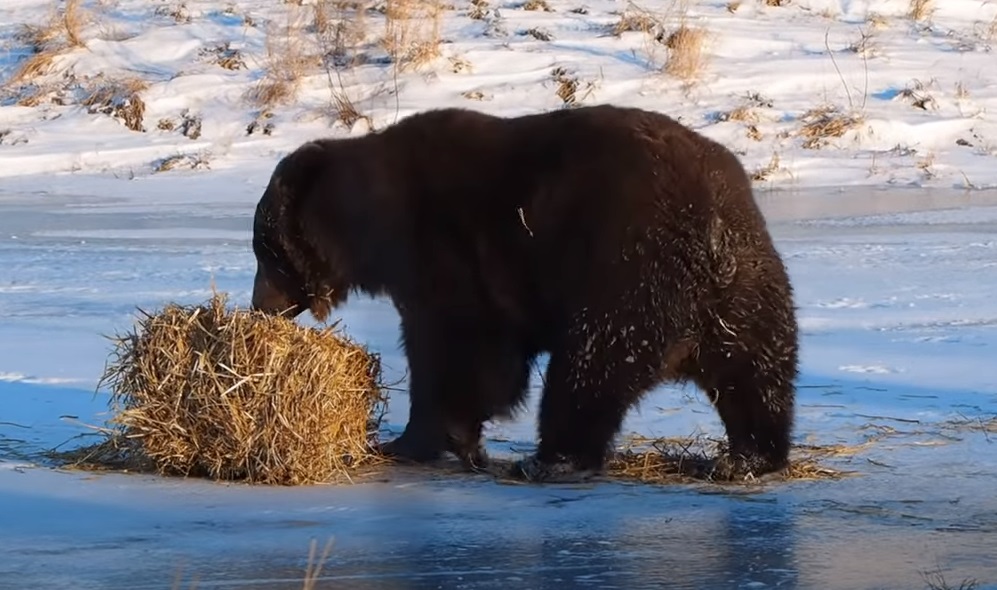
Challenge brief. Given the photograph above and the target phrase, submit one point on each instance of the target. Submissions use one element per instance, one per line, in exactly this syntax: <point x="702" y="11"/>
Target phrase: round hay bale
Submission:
<point x="201" y="390"/>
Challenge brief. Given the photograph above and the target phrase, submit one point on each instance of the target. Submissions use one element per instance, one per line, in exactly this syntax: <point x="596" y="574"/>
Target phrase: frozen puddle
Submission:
<point x="899" y="335"/>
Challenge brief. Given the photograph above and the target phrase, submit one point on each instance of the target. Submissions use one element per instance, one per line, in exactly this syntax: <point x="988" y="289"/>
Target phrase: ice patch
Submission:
<point x="843" y="303"/>
<point x="175" y="233"/>
<point x="21" y="378"/>
<point x="875" y="369"/>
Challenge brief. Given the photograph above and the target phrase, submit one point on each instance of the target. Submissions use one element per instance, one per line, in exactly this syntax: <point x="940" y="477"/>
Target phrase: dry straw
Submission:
<point x="823" y="122"/>
<point x="690" y="459"/>
<point x="201" y="390"/>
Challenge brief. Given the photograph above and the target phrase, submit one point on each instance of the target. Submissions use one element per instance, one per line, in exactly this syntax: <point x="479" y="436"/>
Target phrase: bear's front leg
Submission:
<point x="424" y="438"/>
<point x="421" y="440"/>
<point x="464" y="370"/>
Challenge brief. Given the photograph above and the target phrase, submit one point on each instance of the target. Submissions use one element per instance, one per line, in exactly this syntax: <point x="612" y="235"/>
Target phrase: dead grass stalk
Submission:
<point x="763" y="173"/>
<point x="341" y="28"/>
<point x="285" y="63"/>
<point x="62" y="32"/>
<point x="824" y="122"/>
<point x="636" y="19"/>
<point x="686" y="52"/>
<point x="412" y="32"/>
<point x="919" y="10"/>
<point x="117" y="98"/>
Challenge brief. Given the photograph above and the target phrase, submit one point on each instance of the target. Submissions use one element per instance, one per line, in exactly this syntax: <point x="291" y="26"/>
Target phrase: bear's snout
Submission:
<point x="271" y="300"/>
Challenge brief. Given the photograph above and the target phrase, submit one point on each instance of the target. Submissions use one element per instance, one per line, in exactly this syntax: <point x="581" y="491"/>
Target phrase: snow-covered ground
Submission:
<point x="920" y="91"/>
<point x="888" y="230"/>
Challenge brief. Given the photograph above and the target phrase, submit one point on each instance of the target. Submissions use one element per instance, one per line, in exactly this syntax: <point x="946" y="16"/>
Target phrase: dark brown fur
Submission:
<point x="618" y="240"/>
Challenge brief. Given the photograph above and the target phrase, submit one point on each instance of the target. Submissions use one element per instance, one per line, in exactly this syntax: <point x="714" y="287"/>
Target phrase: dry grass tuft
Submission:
<point x="925" y="165"/>
<point x="62" y="32"/>
<point x="824" y="122"/>
<point x="990" y="30"/>
<point x="763" y="173"/>
<point x="744" y="113"/>
<point x="322" y="21"/>
<point x="919" y="10"/>
<point x="985" y="425"/>
<point x="73" y="19"/>
<point x="916" y="92"/>
<point x="341" y="28"/>
<point x="117" y="98"/>
<point x="877" y="21"/>
<point x="7" y="137"/>
<point x="474" y="95"/>
<point x="961" y="92"/>
<point x="568" y="87"/>
<point x="479" y="10"/>
<point x="177" y="11"/>
<point x="864" y="45"/>
<point x="537" y="5"/>
<point x="459" y="64"/>
<point x="190" y="125"/>
<point x="224" y="56"/>
<point x="346" y="109"/>
<point x="39" y="64"/>
<point x="412" y="32"/>
<point x="935" y="580"/>
<point x="688" y="459"/>
<point x="285" y="63"/>
<point x="239" y="395"/>
<point x="261" y="123"/>
<point x="539" y="34"/>
<point x="181" y="161"/>
<point x="636" y="19"/>
<point x="747" y="114"/>
<point x="686" y="52"/>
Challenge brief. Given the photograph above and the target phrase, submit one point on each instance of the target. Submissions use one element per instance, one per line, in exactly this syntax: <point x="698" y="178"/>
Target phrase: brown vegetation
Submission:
<point x="285" y="63"/>
<point x="688" y="459"/>
<point x="202" y="390"/>
<point x="919" y="10"/>
<point x="823" y="122"/>
<point x="686" y="52"/>
<point x="62" y="32"/>
<point x="118" y="98"/>
<point x="412" y="32"/>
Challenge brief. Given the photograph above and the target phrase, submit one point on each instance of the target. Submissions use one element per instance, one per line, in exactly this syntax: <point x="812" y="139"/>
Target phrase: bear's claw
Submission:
<point x="739" y="467"/>
<point x="402" y="449"/>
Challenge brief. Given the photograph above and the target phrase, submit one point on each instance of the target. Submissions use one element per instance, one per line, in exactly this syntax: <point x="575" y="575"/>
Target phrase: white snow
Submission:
<point x="888" y="231"/>
<point x="777" y="54"/>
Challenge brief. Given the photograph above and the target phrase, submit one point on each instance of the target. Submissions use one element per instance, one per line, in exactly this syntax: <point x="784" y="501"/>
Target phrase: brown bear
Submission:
<point x="617" y="240"/>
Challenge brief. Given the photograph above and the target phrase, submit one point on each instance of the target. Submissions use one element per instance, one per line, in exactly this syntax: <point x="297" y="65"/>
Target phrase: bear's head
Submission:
<point x="298" y="264"/>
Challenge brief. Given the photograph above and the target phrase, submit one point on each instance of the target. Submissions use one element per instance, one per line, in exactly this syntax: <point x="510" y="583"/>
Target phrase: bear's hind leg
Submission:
<point x="752" y="388"/>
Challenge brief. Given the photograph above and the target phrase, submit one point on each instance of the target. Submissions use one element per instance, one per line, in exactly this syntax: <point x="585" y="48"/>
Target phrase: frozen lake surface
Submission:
<point x="896" y="302"/>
